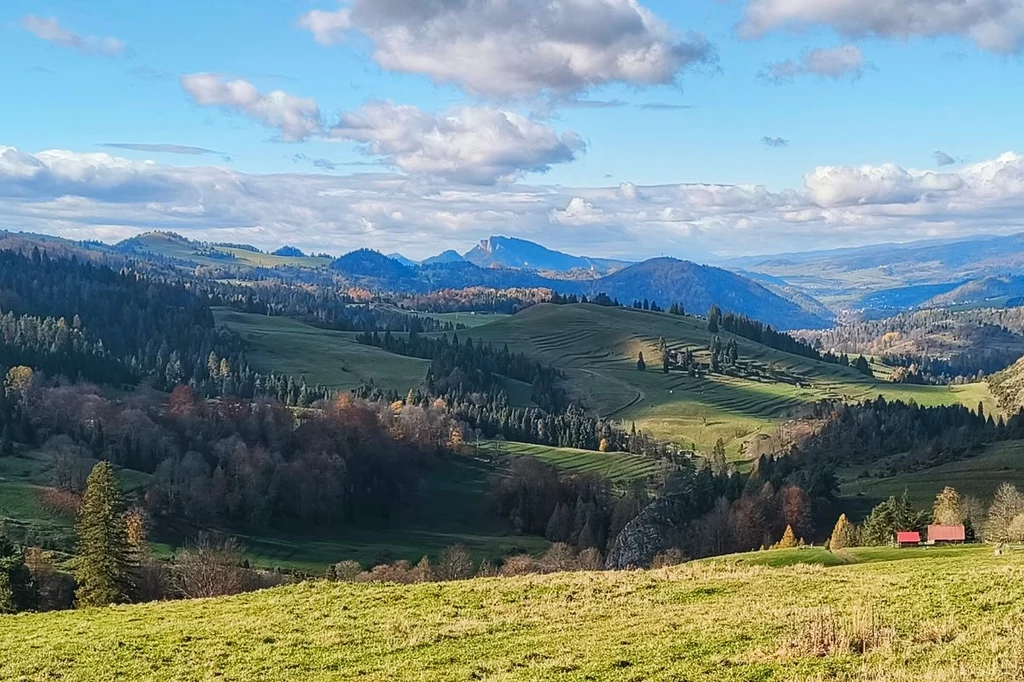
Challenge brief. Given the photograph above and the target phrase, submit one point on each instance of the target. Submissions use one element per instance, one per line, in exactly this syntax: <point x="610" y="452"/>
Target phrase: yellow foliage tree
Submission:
<point x="788" y="540"/>
<point x="843" y="535"/>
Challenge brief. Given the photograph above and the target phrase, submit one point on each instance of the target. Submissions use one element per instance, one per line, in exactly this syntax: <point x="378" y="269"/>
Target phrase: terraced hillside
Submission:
<point x="945" y="616"/>
<point x="618" y="467"/>
<point x="598" y="348"/>
<point x="334" y="359"/>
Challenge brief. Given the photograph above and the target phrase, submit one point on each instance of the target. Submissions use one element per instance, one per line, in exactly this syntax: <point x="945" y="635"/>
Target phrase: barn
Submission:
<point x="946" y="535"/>
<point x="908" y="538"/>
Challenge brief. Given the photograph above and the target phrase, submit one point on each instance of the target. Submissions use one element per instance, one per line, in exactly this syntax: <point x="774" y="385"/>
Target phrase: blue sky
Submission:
<point x="79" y="76"/>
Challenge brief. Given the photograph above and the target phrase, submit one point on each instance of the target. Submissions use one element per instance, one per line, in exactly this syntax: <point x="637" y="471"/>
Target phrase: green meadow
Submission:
<point x="940" y="616"/>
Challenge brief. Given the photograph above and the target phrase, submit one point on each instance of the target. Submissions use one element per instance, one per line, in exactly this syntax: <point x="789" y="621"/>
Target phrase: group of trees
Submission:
<point x="907" y="436"/>
<point x="748" y="328"/>
<point x="1000" y="522"/>
<point x="934" y="346"/>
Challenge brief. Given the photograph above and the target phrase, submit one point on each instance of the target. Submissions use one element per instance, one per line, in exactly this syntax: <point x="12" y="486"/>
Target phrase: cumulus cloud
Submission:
<point x="994" y="25"/>
<point x="50" y="30"/>
<point x="296" y="118"/>
<point x="834" y="63"/>
<point x="514" y="48"/>
<point x="943" y="159"/>
<point x="474" y="145"/>
<point x="101" y="196"/>
<point x="774" y="142"/>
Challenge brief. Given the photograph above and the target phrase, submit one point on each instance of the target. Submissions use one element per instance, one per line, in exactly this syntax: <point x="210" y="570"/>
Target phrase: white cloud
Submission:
<point x="296" y="118"/>
<point x="513" y="48"/>
<point x="101" y="196"/>
<point x="327" y="28"/>
<point x="469" y="144"/>
<point x="943" y="159"/>
<point x="994" y="25"/>
<point x="474" y="145"/>
<point x="835" y="63"/>
<point x="49" y="29"/>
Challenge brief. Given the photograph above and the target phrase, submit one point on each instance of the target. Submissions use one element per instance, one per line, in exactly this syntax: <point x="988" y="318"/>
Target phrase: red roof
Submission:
<point x="947" y="534"/>
<point x="903" y="537"/>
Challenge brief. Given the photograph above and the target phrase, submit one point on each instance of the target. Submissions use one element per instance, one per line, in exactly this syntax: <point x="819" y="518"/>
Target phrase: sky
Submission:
<point x="702" y="129"/>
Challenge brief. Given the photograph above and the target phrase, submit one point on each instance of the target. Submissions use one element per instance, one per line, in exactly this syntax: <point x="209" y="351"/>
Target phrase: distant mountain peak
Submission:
<point x="512" y="252"/>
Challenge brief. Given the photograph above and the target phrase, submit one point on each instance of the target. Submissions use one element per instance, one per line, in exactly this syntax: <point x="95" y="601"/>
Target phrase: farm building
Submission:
<point x="940" y="535"/>
<point x="906" y="538"/>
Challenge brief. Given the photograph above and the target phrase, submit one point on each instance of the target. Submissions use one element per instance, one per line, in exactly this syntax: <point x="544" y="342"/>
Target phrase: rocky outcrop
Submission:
<point x="651" y="532"/>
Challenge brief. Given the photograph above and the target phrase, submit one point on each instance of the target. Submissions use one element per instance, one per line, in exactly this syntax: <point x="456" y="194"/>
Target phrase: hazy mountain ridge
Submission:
<point x="510" y="252"/>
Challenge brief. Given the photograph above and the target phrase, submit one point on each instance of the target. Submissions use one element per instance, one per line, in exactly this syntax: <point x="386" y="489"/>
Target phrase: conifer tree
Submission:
<point x="16" y="590"/>
<point x="6" y="442"/>
<point x="843" y="535"/>
<point x="106" y="566"/>
<point x="788" y="540"/>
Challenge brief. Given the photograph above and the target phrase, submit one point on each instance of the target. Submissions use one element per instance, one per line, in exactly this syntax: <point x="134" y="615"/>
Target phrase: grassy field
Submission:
<point x="618" y="467"/>
<point x="470" y="320"/>
<point x="598" y="348"/>
<point x="943" y="617"/>
<point x="978" y="476"/>
<point x="326" y="357"/>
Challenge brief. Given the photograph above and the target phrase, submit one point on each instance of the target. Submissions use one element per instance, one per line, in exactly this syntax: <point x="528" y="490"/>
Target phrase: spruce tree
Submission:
<point x="6" y="442"/>
<point x="106" y="566"/>
<point x="16" y="590"/>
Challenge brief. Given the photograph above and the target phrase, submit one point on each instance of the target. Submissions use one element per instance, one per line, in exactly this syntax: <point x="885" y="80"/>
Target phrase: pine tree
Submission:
<point x="106" y="567"/>
<point x="16" y="590"/>
<point x="6" y="442"/>
<point x="843" y="535"/>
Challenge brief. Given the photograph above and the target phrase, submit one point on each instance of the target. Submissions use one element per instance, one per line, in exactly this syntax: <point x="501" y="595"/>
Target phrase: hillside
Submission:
<point x="598" y="347"/>
<point x="698" y="287"/>
<point x="187" y="251"/>
<point x="980" y="291"/>
<point x="847" y="278"/>
<point x="888" y="615"/>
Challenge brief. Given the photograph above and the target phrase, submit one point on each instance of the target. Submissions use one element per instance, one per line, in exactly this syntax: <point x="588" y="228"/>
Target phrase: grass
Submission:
<point x="334" y="359"/>
<point x="946" y="617"/>
<point x="619" y="467"/>
<point x="979" y="476"/>
<point x="469" y="320"/>
<point x="598" y="348"/>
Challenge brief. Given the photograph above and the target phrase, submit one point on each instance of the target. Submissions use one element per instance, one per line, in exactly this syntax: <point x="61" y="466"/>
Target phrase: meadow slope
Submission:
<point x="598" y="348"/>
<point x="953" y="616"/>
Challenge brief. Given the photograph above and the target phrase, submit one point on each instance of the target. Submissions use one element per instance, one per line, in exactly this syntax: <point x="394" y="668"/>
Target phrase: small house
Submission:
<point x="908" y="538"/>
<point x="946" y="535"/>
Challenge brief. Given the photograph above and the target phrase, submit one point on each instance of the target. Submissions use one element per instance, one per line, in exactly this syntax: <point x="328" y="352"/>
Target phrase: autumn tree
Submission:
<point x="843" y="535"/>
<point x="948" y="508"/>
<point x="788" y="540"/>
<point x="1007" y="504"/>
<point x="106" y="567"/>
<point x="454" y="564"/>
<point x="210" y="567"/>
<point x="795" y="509"/>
